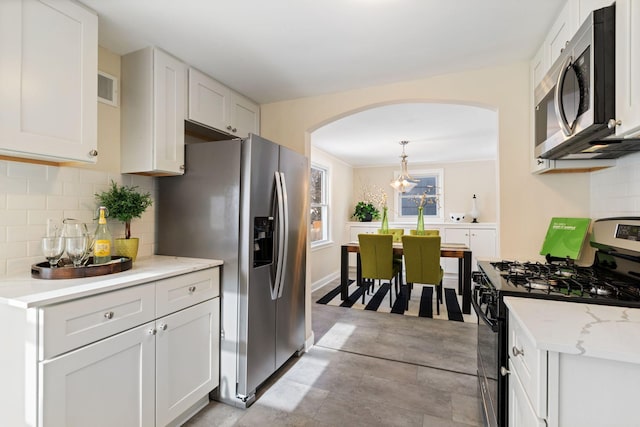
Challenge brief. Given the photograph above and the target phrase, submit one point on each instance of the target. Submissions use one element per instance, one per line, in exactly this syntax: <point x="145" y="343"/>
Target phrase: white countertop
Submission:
<point x="600" y="331"/>
<point x="25" y="291"/>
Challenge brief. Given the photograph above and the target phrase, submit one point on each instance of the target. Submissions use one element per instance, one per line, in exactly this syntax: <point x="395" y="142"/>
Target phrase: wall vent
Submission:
<point x="107" y="89"/>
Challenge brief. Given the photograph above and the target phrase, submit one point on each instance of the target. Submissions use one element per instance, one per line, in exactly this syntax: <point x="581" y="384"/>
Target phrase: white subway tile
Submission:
<point x="62" y="202"/>
<point x="26" y="201"/>
<point x="16" y="217"/>
<point x="27" y="170"/>
<point x="13" y="185"/>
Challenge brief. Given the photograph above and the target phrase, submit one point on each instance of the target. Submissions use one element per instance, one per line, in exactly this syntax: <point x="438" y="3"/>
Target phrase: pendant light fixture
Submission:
<point x="404" y="182"/>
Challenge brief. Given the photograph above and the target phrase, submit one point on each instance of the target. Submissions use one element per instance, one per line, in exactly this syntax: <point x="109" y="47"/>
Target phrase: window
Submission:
<point x="430" y="184"/>
<point x="319" y="205"/>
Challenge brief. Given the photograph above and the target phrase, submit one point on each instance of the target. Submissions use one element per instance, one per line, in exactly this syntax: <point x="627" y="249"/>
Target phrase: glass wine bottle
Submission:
<point x="102" y="246"/>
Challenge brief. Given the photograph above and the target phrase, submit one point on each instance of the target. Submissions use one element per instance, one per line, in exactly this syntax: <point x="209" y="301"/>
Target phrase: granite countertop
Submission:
<point x="601" y="331"/>
<point x="25" y="292"/>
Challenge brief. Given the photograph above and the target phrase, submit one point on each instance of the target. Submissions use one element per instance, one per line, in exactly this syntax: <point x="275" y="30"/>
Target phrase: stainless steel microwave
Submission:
<point x="575" y="101"/>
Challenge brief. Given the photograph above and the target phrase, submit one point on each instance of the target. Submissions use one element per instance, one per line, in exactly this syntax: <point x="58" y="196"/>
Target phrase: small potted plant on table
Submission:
<point x="125" y="203"/>
<point x="365" y="212"/>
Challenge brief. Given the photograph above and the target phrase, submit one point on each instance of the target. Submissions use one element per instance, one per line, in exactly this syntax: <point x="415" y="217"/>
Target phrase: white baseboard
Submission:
<point x="327" y="279"/>
<point x="310" y="341"/>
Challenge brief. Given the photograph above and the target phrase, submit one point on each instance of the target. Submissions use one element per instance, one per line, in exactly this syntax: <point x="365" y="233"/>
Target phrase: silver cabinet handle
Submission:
<point x="93" y="153"/>
<point x="192" y="289"/>
<point x="540" y="161"/>
<point x="517" y="352"/>
<point x="504" y="371"/>
<point x="163" y="326"/>
<point x="181" y="167"/>
<point x="612" y="123"/>
<point x="234" y="130"/>
<point x="108" y="315"/>
<point x="229" y="127"/>
<point x="152" y="331"/>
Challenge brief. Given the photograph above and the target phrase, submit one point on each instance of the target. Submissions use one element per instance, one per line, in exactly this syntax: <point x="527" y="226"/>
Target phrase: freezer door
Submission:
<point x="290" y="306"/>
<point x="257" y="309"/>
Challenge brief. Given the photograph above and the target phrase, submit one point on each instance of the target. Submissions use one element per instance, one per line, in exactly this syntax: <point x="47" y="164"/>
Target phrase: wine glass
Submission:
<point x="53" y="248"/>
<point x="76" y="247"/>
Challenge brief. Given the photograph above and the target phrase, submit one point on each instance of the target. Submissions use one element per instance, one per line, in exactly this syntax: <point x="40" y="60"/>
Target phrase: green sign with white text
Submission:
<point x="565" y="237"/>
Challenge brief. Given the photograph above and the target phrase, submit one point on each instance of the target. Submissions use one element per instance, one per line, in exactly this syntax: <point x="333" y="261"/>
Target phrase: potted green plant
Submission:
<point x="365" y="212"/>
<point x="125" y="203"/>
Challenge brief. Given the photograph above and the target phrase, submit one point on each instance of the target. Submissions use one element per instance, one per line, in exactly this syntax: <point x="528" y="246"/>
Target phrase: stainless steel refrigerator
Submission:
<point x="243" y="201"/>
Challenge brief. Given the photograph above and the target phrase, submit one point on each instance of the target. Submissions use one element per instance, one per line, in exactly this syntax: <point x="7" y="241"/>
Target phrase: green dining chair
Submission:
<point x="395" y="232"/>
<point x="425" y="233"/>
<point x="376" y="258"/>
<point x="422" y="263"/>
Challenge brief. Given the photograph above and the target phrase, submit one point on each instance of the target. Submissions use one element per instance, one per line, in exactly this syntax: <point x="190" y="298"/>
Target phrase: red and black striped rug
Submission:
<point x="421" y="304"/>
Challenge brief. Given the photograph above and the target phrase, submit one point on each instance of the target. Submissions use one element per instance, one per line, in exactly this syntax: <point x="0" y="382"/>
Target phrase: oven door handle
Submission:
<point x="493" y="324"/>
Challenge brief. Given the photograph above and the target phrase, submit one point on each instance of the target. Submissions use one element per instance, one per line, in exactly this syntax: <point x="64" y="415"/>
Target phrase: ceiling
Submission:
<point x="285" y="49"/>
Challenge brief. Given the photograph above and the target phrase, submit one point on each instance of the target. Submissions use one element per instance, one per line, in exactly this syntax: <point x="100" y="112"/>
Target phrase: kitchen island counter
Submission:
<point x="599" y="331"/>
<point x="25" y="291"/>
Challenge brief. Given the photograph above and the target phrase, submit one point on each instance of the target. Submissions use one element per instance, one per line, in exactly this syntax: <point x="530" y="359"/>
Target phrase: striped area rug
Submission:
<point x="422" y="302"/>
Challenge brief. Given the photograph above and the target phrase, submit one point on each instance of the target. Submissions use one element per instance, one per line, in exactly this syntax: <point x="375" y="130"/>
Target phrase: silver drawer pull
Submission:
<point x="152" y="331"/>
<point x="517" y="352"/>
<point x="504" y="371"/>
<point x="163" y="326"/>
<point x="192" y="289"/>
<point x="108" y="315"/>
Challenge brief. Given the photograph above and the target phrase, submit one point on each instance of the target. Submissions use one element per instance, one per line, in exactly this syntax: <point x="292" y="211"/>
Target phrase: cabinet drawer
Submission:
<point x="530" y="365"/>
<point x="178" y="292"/>
<point x="76" y="323"/>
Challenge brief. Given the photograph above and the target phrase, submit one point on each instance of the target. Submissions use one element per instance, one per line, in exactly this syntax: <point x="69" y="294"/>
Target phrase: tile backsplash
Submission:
<point x="32" y="193"/>
<point x="616" y="191"/>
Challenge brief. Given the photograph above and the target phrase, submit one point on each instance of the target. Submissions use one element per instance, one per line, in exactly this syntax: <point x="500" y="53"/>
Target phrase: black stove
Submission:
<point x="612" y="279"/>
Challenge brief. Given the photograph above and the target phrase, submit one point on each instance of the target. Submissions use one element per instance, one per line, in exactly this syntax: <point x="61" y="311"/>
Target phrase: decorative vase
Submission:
<point x="474" y="210"/>
<point x="420" y="227"/>
<point x="127" y="247"/>
<point x="385" y="221"/>
<point x="367" y="218"/>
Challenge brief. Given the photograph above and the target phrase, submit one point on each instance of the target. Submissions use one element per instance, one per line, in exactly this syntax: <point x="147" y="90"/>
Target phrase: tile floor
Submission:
<point x="368" y="369"/>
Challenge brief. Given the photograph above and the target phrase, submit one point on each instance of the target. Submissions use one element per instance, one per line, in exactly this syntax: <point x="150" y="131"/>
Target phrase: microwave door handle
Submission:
<point x="557" y="98"/>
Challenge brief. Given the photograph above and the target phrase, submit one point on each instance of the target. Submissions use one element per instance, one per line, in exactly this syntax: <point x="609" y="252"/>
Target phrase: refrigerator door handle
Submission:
<point x="280" y="241"/>
<point x="285" y="252"/>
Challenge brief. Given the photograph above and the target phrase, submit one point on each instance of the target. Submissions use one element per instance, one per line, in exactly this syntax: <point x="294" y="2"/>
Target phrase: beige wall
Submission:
<point x="324" y="260"/>
<point x="108" y="122"/>
<point x="461" y="181"/>
<point x="526" y="201"/>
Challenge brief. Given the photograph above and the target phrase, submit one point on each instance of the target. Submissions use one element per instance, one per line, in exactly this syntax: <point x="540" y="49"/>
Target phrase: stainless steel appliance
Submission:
<point x="243" y="201"/>
<point x="612" y="279"/>
<point x="575" y="101"/>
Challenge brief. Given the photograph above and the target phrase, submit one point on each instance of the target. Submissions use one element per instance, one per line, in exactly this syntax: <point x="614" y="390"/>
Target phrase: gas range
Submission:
<point x="613" y="279"/>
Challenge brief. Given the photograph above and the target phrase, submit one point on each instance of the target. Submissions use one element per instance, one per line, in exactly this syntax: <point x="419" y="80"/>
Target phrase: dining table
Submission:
<point x="447" y="250"/>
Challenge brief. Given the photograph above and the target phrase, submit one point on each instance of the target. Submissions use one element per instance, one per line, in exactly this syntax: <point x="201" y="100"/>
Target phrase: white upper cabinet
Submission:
<point x="628" y="67"/>
<point x="153" y="112"/>
<point x="48" y="80"/>
<point x="214" y="105"/>
<point x="558" y="36"/>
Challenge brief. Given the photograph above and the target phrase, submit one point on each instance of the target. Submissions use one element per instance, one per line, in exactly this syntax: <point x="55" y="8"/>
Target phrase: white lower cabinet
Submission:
<point x="153" y="374"/>
<point x="187" y="349"/>
<point x="521" y="413"/>
<point x="556" y="389"/>
<point x="481" y="241"/>
<point x="108" y="383"/>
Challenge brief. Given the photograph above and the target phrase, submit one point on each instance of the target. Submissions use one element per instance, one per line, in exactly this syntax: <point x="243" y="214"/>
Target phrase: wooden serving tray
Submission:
<point x="68" y="271"/>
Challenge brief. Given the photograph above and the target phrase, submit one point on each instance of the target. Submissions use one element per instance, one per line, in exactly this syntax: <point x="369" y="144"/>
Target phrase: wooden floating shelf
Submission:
<point x="68" y="271"/>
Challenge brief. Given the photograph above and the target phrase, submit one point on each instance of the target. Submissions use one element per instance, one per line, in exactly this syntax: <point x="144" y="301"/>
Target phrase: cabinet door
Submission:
<point x="521" y="413"/>
<point x="169" y="95"/>
<point x="245" y="116"/>
<point x="187" y="358"/>
<point x="454" y="235"/>
<point x="109" y="383"/>
<point x="559" y="34"/>
<point x="628" y="67"/>
<point x="209" y="101"/>
<point x="482" y="243"/>
<point x="48" y="80"/>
